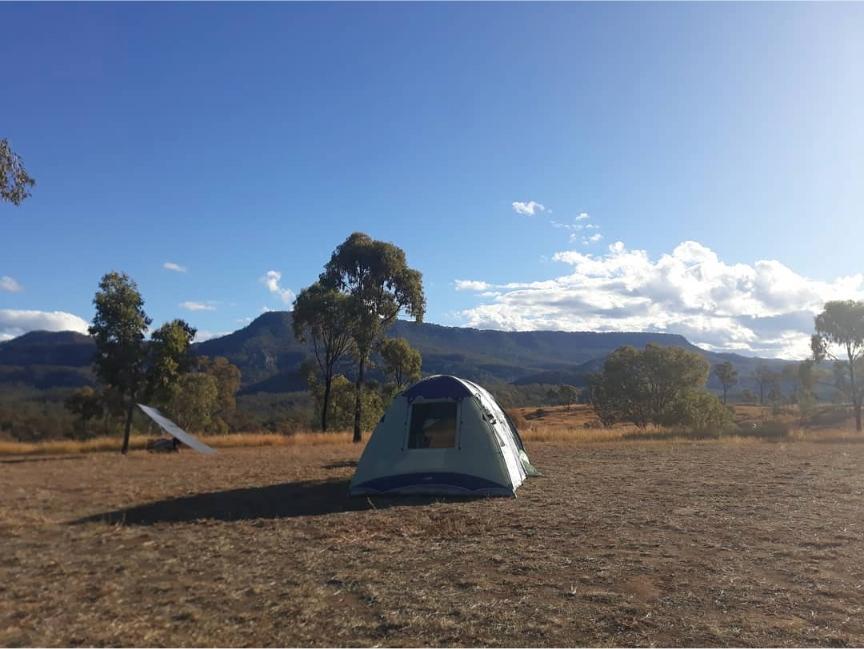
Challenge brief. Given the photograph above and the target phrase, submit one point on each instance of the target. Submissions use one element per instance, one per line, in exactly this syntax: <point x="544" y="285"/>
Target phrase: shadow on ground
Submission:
<point x="310" y="498"/>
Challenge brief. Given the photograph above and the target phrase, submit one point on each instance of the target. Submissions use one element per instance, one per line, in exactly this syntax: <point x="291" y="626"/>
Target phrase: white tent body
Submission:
<point x="174" y="430"/>
<point x="443" y="436"/>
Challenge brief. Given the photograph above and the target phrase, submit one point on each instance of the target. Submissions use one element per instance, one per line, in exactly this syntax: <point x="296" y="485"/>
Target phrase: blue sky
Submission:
<point x="235" y="140"/>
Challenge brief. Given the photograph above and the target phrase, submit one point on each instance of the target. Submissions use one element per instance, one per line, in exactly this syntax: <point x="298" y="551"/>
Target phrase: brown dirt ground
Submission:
<point x="632" y="543"/>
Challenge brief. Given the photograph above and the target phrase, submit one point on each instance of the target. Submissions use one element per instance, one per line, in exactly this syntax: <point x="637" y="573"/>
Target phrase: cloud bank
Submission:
<point x="14" y="323"/>
<point x="764" y="308"/>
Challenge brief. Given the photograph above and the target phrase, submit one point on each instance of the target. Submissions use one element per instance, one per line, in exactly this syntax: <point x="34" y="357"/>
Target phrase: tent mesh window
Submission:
<point x="433" y="425"/>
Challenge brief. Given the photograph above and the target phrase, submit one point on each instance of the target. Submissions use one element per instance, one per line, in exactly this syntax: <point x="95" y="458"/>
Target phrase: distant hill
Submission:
<point x="44" y="359"/>
<point x="269" y="356"/>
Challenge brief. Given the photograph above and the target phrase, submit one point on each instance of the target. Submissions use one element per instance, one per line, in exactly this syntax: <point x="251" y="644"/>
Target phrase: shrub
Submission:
<point x="702" y="413"/>
<point x="652" y="386"/>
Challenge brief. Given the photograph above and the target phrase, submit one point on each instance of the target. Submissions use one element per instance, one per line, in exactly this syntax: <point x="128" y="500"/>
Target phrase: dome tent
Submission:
<point x="443" y="436"/>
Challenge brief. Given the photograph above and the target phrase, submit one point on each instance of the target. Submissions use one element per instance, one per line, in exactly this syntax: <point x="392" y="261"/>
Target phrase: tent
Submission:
<point x="443" y="436"/>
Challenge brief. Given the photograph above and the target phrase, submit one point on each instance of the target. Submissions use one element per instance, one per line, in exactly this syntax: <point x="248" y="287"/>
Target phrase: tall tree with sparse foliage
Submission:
<point x="376" y="277"/>
<point x="401" y="362"/>
<point x="840" y="336"/>
<point x="766" y="379"/>
<point x="14" y="179"/>
<point x="118" y="329"/>
<point x="322" y="316"/>
<point x="727" y="375"/>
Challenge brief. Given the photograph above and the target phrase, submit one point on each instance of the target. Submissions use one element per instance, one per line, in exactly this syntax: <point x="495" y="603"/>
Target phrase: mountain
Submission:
<point x="269" y="356"/>
<point x="44" y="359"/>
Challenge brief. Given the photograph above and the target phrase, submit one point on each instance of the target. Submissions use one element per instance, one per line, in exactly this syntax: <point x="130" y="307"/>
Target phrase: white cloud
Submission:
<point x="764" y="308"/>
<point x="197" y="306"/>
<point x="470" y="285"/>
<point x="14" y="322"/>
<point x="10" y="284"/>
<point x="583" y="216"/>
<point x="529" y="208"/>
<point x="588" y="239"/>
<point x="271" y="281"/>
<point x="177" y="268"/>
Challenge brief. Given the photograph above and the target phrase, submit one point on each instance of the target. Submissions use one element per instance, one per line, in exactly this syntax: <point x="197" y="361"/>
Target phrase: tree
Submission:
<point x="839" y="333"/>
<point x="194" y="400"/>
<point x="227" y="376"/>
<point x="14" y="179"/>
<point x="376" y="277"/>
<point x="401" y="362"/>
<point x="568" y="395"/>
<point x="169" y="356"/>
<point x="766" y="379"/>
<point x="727" y="375"/>
<point x="323" y="317"/>
<point x="654" y="386"/>
<point x="118" y="329"/>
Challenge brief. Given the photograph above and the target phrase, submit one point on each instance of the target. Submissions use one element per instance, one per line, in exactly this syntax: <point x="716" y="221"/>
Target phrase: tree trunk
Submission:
<point x="856" y="399"/>
<point x="724" y="394"/>
<point x="328" y="383"/>
<point x="129" y="412"/>
<point x="358" y="406"/>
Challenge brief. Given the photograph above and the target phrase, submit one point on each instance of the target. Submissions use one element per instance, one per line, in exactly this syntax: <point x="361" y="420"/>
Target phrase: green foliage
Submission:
<point x="660" y="386"/>
<point x="14" y="179"/>
<point x="380" y="285"/>
<point x="702" y="413"/>
<point x="341" y="404"/>
<point x="194" y="401"/>
<point x="118" y="330"/>
<point x="170" y="356"/>
<point x="227" y="377"/>
<point x="400" y="362"/>
<point x="323" y="317"/>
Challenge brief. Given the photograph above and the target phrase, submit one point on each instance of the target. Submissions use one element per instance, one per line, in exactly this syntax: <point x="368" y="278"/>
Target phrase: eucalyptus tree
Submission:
<point x="840" y="336"/>
<point x="375" y="277"/>
<point x="323" y="318"/>
<point x="118" y="329"/>
<point x="14" y="179"/>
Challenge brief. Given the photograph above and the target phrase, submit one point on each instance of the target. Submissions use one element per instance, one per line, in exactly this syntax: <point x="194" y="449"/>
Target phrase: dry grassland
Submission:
<point x="674" y="543"/>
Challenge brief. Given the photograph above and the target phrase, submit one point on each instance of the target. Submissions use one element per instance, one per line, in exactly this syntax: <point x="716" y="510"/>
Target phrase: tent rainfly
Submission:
<point x="174" y="430"/>
<point x="443" y="436"/>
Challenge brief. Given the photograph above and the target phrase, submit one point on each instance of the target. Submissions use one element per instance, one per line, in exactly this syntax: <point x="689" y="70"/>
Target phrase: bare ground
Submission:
<point x="618" y="544"/>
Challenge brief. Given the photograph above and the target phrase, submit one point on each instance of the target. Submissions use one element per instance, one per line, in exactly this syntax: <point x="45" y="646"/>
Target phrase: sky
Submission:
<point x="689" y="168"/>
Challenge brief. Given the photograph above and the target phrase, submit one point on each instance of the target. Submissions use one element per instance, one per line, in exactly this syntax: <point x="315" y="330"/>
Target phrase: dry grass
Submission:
<point x="575" y="424"/>
<point x="112" y="444"/>
<point x="620" y="544"/>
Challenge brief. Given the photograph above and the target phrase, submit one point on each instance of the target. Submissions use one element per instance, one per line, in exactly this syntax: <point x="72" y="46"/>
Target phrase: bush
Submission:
<point x="660" y="386"/>
<point x="702" y="413"/>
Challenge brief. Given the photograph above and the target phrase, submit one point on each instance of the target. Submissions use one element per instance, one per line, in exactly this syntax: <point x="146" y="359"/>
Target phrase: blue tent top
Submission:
<point x="438" y="387"/>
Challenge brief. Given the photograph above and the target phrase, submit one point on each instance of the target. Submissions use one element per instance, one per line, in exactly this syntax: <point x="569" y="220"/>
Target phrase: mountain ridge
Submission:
<point x="269" y="356"/>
